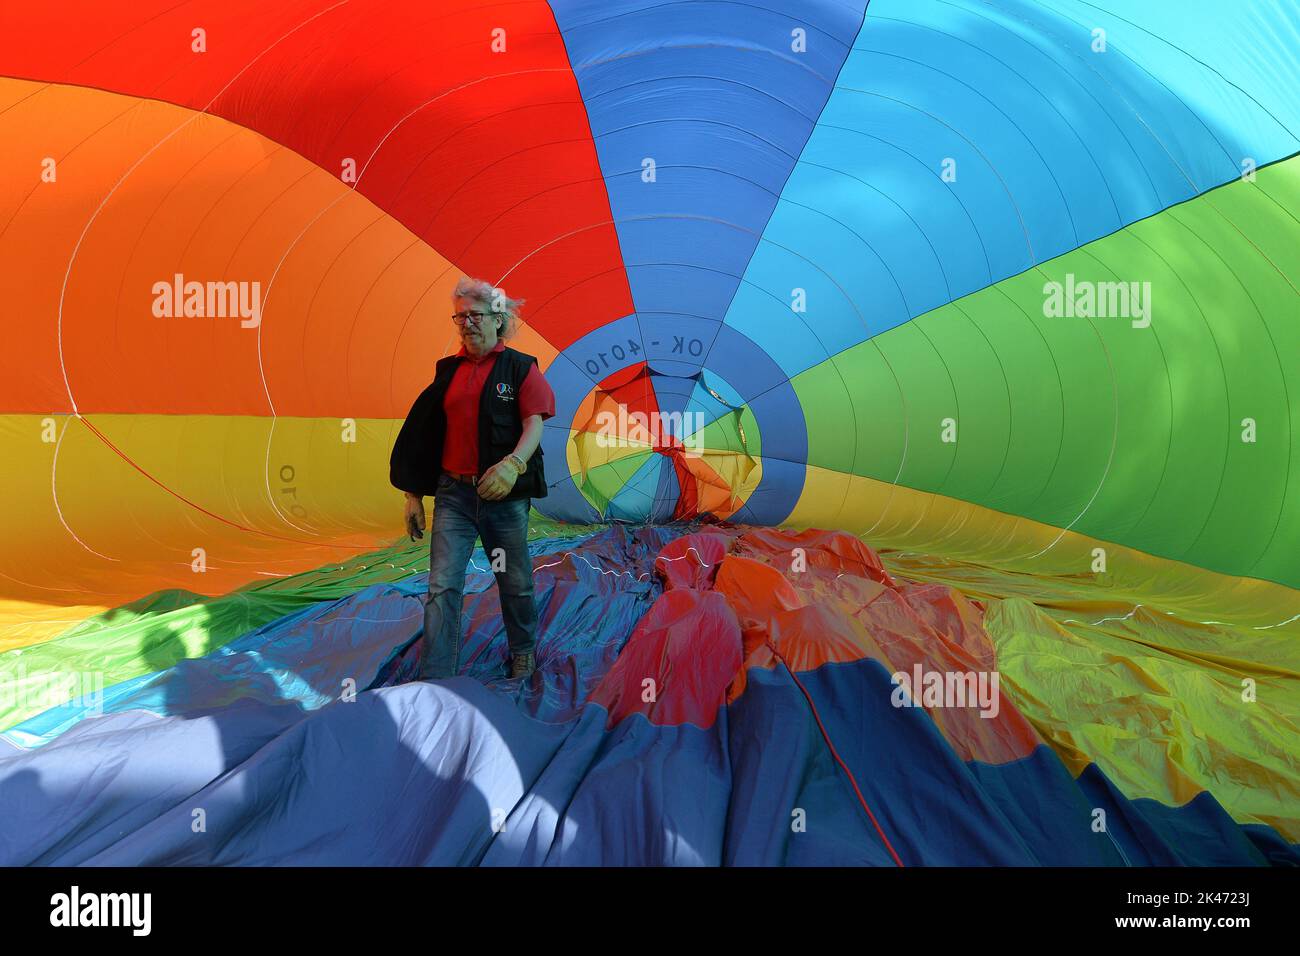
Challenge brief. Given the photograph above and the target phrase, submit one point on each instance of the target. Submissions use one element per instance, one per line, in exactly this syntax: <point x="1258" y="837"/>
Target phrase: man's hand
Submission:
<point x="498" y="480"/>
<point x="414" y="516"/>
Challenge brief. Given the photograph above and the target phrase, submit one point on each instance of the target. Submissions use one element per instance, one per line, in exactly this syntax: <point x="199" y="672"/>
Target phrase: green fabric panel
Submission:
<point x="1127" y="434"/>
<point x="724" y="434"/>
<point x="606" y="480"/>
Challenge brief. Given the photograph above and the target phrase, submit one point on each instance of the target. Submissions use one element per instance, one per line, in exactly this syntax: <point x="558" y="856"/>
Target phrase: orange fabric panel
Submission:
<point x="354" y="308"/>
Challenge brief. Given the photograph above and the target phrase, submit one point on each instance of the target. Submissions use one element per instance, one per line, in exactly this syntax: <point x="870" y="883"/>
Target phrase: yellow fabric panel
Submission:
<point x="1032" y="559"/>
<point x="261" y="497"/>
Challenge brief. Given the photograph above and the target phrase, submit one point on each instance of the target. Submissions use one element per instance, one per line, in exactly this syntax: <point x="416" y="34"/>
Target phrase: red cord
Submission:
<point x="834" y="753"/>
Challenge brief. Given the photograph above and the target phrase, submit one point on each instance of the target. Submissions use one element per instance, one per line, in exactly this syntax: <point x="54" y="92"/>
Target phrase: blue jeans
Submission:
<point x="459" y="517"/>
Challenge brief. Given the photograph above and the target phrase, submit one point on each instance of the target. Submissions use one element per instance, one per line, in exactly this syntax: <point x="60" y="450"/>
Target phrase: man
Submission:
<point x="472" y="441"/>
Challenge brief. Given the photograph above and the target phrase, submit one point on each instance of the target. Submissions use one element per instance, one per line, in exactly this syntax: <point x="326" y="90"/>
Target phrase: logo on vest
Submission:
<point x="505" y="392"/>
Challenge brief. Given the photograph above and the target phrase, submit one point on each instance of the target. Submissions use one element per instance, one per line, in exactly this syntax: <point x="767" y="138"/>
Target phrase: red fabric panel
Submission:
<point x="419" y="96"/>
<point x="688" y="645"/>
<point x="692" y="560"/>
<point x="842" y="607"/>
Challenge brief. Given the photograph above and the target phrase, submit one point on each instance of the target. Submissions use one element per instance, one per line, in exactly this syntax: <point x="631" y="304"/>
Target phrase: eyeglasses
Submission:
<point x="460" y="318"/>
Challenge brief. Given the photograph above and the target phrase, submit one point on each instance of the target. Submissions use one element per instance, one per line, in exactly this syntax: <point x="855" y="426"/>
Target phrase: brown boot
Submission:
<point x="522" y="665"/>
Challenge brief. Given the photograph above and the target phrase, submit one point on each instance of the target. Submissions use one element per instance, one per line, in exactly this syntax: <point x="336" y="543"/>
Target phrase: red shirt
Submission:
<point x="461" y="403"/>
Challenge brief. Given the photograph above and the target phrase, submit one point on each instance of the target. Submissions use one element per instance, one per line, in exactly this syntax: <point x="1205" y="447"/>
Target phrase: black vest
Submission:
<point x="416" y="462"/>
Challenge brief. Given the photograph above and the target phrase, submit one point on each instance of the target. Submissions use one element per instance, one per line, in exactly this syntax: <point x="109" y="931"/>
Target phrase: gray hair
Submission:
<point x="495" y="299"/>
